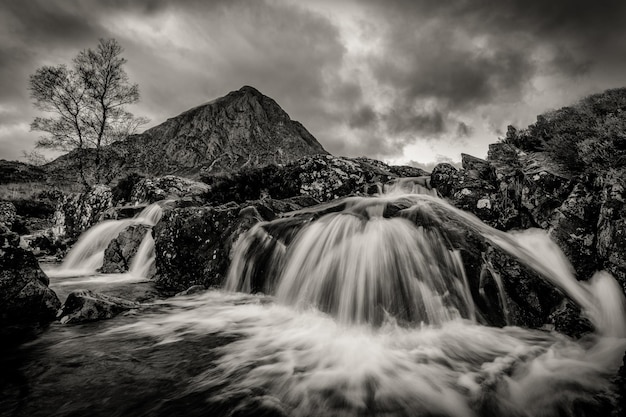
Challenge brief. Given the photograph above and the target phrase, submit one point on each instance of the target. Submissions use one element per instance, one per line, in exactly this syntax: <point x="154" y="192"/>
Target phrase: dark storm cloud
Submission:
<point x="457" y="55"/>
<point x="365" y="116"/>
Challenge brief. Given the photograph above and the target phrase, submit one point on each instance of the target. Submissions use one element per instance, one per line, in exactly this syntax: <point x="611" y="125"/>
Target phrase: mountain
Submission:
<point x="242" y="129"/>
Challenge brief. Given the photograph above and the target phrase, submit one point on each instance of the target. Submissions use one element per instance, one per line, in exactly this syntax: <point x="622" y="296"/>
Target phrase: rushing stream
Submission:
<point x="362" y="315"/>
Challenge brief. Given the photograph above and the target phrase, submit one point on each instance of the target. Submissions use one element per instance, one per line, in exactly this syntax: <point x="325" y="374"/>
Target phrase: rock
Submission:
<point x="542" y="193"/>
<point x="407" y="171"/>
<point x="192" y="246"/>
<point x="119" y="254"/>
<point x="122" y="212"/>
<point x="530" y="300"/>
<point x="478" y="168"/>
<point x="75" y="213"/>
<point x="573" y="227"/>
<point x="444" y="178"/>
<point x="84" y="306"/>
<point x="504" y="157"/>
<point x="194" y="289"/>
<point x="322" y="177"/>
<point x="25" y="299"/>
<point x="8" y="213"/>
<point x="611" y="237"/>
<point x="151" y="190"/>
<point x="8" y="238"/>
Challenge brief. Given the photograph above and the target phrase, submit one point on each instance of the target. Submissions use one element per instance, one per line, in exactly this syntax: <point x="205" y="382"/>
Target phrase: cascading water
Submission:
<point x="88" y="253"/>
<point x="369" y="312"/>
<point x="377" y="261"/>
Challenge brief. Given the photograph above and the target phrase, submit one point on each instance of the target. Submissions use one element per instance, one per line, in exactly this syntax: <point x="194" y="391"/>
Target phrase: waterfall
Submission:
<point x="390" y="256"/>
<point x="87" y="254"/>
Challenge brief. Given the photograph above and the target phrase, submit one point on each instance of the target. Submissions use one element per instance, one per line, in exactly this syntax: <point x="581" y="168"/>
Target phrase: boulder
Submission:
<point x="151" y="190"/>
<point x="193" y="244"/>
<point x="8" y="213"/>
<point x="25" y="299"/>
<point x="573" y="227"/>
<point x="75" y="213"/>
<point x="445" y="178"/>
<point x="478" y="168"/>
<point x="84" y="306"/>
<point x="118" y="256"/>
<point x="611" y="237"/>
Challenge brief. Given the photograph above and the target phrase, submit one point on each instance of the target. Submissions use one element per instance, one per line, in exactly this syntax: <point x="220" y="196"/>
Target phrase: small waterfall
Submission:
<point x="389" y="256"/>
<point x="87" y="254"/>
<point x="143" y="261"/>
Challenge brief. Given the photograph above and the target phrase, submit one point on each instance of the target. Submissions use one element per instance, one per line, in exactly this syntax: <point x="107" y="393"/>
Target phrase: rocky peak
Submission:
<point x="244" y="128"/>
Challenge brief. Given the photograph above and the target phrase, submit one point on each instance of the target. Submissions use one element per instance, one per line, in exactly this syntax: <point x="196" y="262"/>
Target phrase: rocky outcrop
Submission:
<point x="611" y="237"/>
<point x="151" y="190"/>
<point x="322" y="177"/>
<point x="573" y="227"/>
<point x="193" y="244"/>
<point x="118" y="256"/>
<point x="84" y="306"/>
<point x="75" y="213"/>
<point x="25" y="299"/>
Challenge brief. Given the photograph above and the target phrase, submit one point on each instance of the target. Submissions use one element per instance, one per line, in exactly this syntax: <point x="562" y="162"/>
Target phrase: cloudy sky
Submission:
<point x="399" y="80"/>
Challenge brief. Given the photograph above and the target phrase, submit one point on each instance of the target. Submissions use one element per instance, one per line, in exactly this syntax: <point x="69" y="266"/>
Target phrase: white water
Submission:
<point x="87" y="254"/>
<point x="359" y="268"/>
<point x="311" y="349"/>
<point x="312" y="365"/>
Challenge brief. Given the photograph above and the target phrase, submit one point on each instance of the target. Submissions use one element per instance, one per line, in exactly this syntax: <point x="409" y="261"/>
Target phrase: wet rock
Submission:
<point x="530" y="300"/>
<point x="84" y="306"/>
<point x="151" y="190"/>
<point x="194" y="289"/>
<point x="567" y="319"/>
<point x="192" y="246"/>
<point x="75" y="213"/>
<point x="122" y="212"/>
<point x="118" y="256"/>
<point x="25" y="299"/>
<point x="573" y="228"/>
<point x="611" y="236"/>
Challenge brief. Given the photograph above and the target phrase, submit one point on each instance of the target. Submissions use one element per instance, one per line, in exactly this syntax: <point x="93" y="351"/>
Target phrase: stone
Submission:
<point x="611" y="235"/>
<point x="573" y="227"/>
<point x="444" y="178"/>
<point x="118" y="256"/>
<point x="8" y="213"/>
<point x="478" y="168"/>
<point x="85" y="306"/>
<point x="75" y="213"/>
<point x="25" y="299"/>
<point x="151" y="190"/>
<point x="321" y="177"/>
<point x="192" y="246"/>
<point x="194" y="289"/>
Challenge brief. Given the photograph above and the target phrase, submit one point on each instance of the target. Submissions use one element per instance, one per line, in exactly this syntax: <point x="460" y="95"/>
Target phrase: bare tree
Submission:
<point x="87" y="102"/>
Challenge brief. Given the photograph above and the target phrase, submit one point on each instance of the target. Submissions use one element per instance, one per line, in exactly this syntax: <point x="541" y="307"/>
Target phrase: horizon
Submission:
<point x="404" y="82"/>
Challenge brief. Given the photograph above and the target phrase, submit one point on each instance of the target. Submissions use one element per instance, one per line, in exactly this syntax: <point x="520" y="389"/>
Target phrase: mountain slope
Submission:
<point x="243" y="128"/>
